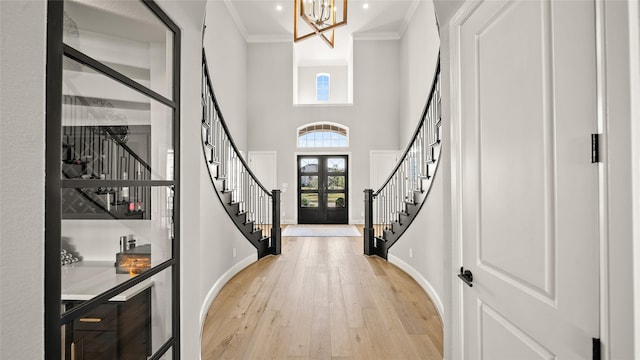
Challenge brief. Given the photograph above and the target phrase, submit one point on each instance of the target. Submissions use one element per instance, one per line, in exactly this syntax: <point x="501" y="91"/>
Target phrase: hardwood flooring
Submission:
<point x="322" y="299"/>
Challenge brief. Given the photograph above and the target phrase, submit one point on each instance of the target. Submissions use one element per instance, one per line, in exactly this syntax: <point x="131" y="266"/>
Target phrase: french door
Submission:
<point x="323" y="191"/>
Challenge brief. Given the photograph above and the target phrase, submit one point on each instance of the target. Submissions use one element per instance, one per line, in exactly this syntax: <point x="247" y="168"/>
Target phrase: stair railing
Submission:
<point x="101" y="152"/>
<point x="390" y="209"/>
<point x="227" y="167"/>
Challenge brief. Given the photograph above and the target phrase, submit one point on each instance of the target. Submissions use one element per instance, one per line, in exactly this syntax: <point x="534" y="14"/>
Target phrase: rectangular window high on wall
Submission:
<point x="322" y="87"/>
<point x="113" y="180"/>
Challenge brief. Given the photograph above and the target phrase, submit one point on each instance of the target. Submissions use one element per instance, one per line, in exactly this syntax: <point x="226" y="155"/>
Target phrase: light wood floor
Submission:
<point x="322" y="299"/>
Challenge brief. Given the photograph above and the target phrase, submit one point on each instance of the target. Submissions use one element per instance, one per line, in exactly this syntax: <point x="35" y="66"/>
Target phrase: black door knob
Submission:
<point x="466" y="276"/>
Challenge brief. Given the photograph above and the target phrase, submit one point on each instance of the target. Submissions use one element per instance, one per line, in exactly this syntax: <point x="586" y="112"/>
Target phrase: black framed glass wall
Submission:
<point x="112" y="181"/>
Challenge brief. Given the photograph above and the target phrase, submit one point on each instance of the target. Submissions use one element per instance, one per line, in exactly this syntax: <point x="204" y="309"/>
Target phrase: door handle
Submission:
<point x="466" y="276"/>
<point x="90" y="320"/>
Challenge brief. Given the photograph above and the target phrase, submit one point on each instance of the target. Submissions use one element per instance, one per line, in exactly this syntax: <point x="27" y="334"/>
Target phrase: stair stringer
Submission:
<point x="255" y="237"/>
<point x="389" y="238"/>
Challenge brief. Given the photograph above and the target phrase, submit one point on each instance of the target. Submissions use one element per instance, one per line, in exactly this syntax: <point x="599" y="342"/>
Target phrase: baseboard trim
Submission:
<point x="220" y="283"/>
<point x="426" y="286"/>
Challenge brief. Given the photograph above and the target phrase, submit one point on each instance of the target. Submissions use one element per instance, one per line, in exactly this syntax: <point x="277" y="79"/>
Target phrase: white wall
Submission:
<point x="338" y="84"/>
<point x="273" y="119"/>
<point x="207" y="233"/>
<point x="189" y="19"/>
<point x="227" y="56"/>
<point x="418" y="57"/>
<point x="445" y="9"/>
<point x="22" y="154"/>
<point x="425" y="238"/>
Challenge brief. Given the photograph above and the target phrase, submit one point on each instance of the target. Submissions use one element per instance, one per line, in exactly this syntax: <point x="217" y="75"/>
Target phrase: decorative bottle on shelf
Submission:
<point x="125" y="176"/>
<point x="123" y="244"/>
<point x="131" y="241"/>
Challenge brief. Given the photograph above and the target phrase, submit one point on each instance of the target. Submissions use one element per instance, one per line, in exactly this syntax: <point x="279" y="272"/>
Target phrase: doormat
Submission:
<point x="321" y="230"/>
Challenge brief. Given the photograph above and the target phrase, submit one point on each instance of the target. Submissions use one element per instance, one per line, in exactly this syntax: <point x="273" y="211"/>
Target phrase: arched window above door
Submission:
<point x="323" y="135"/>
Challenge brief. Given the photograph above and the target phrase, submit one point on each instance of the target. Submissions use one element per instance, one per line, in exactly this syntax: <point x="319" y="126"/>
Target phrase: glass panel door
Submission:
<point x="112" y="181"/>
<point x="323" y="189"/>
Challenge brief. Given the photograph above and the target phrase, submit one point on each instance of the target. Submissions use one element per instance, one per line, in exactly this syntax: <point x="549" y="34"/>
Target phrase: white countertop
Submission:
<point x="86" y="279"/>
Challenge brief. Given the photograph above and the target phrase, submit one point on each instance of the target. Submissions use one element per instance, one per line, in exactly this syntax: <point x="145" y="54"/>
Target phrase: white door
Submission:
<point x="381" y="163"/>
<point x="263" y="164"/>
<point x="529" y="193"/>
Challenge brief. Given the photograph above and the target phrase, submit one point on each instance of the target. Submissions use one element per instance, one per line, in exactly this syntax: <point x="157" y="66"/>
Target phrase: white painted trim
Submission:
<point x="269" y="38"/>
<point x="421" y="280"/>
<point x="376" y="36"/>
<point x="236" y="18"/>
<point x="603" y="181"/>
<point x="220" y="283"/>
<point x="322" y="62"/>
<point x="634" y="55"/>
<point x="457" y="316"/>
<point x="300" y="105"/>
<point x="408" y="16"/>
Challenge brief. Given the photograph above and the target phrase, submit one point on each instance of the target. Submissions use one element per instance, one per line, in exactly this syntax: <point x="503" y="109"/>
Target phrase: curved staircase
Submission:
<point x="390" y="210"/>
<point x="253" y="209"/>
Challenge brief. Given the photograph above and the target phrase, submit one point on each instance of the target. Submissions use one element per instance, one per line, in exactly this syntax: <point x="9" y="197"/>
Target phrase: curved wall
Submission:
<point x="223" y="250"/>
<point x="208" y="236"/>
<point x="420" y="250"/>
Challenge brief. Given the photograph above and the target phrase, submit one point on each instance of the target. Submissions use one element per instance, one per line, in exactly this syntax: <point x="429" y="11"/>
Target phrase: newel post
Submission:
<point x="275" y="226"/>
<point x="368" y="223"/>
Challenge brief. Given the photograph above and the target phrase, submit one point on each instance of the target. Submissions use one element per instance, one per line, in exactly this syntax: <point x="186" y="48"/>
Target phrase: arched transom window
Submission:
<point x="323" y="135"/>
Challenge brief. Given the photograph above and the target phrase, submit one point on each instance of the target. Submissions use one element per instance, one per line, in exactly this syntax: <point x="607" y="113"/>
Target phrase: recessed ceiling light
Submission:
<point x="279" y="7"/>
<point x="365" y="6"/>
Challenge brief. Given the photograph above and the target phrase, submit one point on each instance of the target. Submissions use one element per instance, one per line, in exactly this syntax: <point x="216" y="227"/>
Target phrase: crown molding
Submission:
<point x="269" y="38"/>
<point x="376" y="36"/>
<point x="408" y="16"/>
<point x="236" y="18"/>
<point x="356" y="36"/>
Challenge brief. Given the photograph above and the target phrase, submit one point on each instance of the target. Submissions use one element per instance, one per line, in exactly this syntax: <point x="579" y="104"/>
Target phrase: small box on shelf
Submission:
<point x="134" y="261"/>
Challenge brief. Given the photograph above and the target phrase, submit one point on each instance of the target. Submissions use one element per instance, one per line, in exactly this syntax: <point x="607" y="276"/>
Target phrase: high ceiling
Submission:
<point x="261" y="21"/>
